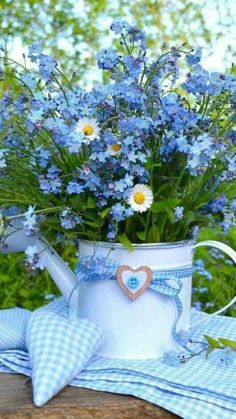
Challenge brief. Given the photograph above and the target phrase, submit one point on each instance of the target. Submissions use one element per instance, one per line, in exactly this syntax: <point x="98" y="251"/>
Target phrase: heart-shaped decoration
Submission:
<point x="59" y="347"/>
<point x="133" y="281"/>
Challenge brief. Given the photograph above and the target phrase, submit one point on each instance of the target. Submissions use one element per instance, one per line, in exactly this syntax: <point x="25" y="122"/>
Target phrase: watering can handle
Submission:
<point x="232" y="254"/>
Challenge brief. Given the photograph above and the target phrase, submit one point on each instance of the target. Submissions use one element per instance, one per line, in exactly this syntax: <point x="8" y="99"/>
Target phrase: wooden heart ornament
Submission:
<point x="133" y="281"/>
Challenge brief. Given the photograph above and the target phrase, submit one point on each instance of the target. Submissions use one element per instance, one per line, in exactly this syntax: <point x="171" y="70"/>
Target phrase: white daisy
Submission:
<point x="89" y="127"/>
<point x="141" y="198"/>
<point x="114" y="149"/>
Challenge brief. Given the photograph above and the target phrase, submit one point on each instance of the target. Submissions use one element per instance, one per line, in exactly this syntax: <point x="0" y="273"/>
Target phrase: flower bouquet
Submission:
<point x="147" y="157"/>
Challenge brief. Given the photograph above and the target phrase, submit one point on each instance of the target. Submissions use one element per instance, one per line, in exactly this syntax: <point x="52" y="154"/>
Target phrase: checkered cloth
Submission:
<point x="199" y="388"/>
<point x="59" y="348"/>
<point x="13" y="324"/>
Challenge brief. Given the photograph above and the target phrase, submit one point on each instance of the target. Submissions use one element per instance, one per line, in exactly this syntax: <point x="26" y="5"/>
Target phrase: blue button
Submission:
<point x="133" y="282"/>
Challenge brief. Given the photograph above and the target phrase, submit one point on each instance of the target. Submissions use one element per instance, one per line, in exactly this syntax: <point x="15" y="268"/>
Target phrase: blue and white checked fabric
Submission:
<point x="199" y="388"/>
<point x="13" y="324"/>
<point x="59" y="348"/>
<point x="104" y="268"/>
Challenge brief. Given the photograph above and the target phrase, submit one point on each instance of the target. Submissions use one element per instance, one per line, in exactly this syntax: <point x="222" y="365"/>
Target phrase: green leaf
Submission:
<point x="91" y="203"/>
<point x="164" y="205"/>
<point x="214" y="343"/>
<point x="95" y="224"/>
<point x="171" y="216"/>
<point x="75" y="201"/>
<point x="141" y="235"/>
<point x="189" y="218"/>
<point x="123" y="239"/>
<point x="105" y="212"/>
<point x="153" y="235"/>
<point x="228" y="342"/>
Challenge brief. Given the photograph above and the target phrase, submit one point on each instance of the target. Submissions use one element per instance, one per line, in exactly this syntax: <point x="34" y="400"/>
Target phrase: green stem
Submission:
<point x="50" y="209"/>
<point x="14" y="62"/>
<point x="147" y="223"/>
<point x="162" y="225"/>
<point x="63" y="91"/>
<point x="108" y="120"/>
<point x="126" y="45"/>
<point x="205" y="108"/>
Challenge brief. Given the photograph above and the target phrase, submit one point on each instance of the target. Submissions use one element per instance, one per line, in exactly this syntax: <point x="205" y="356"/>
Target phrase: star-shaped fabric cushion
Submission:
<point x="13" y="323"/>
<point x="59" y="347"/>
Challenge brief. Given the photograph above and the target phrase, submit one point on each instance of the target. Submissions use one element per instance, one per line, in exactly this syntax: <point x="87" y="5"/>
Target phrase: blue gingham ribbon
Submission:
<point x="92" y="269"/>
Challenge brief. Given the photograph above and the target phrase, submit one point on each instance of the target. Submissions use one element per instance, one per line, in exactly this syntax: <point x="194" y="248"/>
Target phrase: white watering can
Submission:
<point x="124" y="322"/>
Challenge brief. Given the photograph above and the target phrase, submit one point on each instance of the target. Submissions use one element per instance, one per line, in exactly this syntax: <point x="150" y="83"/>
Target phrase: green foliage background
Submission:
<point x="73" y="31"/>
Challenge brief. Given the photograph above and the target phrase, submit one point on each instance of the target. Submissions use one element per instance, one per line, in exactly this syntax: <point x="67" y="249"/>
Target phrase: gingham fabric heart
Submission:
<point x="13" y="323"/>
<point x="59" y="348"/>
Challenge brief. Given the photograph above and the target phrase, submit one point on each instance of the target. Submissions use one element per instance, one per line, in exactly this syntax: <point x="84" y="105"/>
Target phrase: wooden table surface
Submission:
<point x="72" y="402"/>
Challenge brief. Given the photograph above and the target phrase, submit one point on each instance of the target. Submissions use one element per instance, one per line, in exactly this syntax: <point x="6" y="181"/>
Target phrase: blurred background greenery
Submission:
<point x="73" y="31"/>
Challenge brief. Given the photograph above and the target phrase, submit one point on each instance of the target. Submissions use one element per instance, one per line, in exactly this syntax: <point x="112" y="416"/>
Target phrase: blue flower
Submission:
<point x="193" y="59"/>
<point x="209" y="304"/>
<point x="11" y="211"/>
<point x="111" y="232"/>
<point x="119" y="27"/>
<point x="43" y="156"/>
<point x="231" y="164"/>
<point x="231" y="135"/>
<point x="228" y="221"/>
<point x="201" y="152"/>
<point x="30" y="221"/>
<point x="133" y="64"/>
<point x="73" y="142"/>
<point x="107" y="59"/>
<point x="50" y="186"/>
<point x="47" y="66"/>
<point x="227" y="358"/>
<point x="3" y="154"/>
<point x="69" y="220"/>
<point x="195" y="232"/>
<point x="199" y="267"/>
<point x="134" y="123"/>
<point x="179" y="213"/>
<point x="223" y="357"/>
<point x="203" y="290"/>
<point x="118" y="212"/>
<point x="139" y="109"/>
<point x="172" y="358"/>
<point x="134" y="35"/>
<point x="218" y="204"/>
<point x="35" y="50"/>
<point x="30" y="79"/>
<point x="33" y="261"/>
<point x="197" y="305"/>
<point x="74" y="188"/>
<point x="120" y="185"/>
<point x="233" y="204"/>
<point x="200" y="82"/>
<point x="182" y="144"/>
<point x="51" y="183"/>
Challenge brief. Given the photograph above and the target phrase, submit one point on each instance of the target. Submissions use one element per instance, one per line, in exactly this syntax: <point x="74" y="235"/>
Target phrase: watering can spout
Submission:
<point x="15" y="241"/>
<point x="63" y="276"/>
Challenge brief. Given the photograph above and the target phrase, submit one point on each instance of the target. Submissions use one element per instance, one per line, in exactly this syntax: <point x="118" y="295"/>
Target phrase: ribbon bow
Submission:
<point x="164" y="282"/>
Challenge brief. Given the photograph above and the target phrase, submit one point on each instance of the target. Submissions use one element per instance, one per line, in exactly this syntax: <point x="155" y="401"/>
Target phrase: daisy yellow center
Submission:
<point x="139" y="197"/>
<point x="116" y="147"/>
<point x="88" y="129"/>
